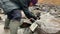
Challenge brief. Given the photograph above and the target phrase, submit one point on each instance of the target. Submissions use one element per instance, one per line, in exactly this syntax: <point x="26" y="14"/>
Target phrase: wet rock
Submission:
<point x="49" y="24"/>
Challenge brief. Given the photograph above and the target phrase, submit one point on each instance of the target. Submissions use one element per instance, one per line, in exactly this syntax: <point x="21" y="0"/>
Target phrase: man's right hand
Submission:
<point x="32" y="20"/>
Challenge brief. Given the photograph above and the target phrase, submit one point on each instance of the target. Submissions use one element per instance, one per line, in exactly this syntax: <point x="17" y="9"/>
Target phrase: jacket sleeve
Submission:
<point x="24" y="3"/>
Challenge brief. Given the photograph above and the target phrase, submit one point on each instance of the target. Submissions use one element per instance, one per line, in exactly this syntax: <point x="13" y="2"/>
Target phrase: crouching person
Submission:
<point x="23" y="4"/>
<point x="12" y="9"/>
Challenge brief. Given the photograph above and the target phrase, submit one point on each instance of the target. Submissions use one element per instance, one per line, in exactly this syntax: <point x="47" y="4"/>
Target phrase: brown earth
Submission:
<point x="55" y="2"/>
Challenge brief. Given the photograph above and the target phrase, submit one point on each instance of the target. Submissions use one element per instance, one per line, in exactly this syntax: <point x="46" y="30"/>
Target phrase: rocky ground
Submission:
<point x="42" y="9"/>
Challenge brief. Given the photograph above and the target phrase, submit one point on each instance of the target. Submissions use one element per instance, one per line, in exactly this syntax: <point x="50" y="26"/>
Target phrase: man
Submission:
<point x="12" y="9"/>
<point x="23" y="4"/>
<point x="15" y="5"/>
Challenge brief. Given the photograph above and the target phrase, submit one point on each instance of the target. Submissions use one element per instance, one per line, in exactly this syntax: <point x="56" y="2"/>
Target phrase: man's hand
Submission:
<point x="32" y="20"/>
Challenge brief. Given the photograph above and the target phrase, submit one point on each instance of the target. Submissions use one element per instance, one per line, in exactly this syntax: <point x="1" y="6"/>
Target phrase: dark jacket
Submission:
<point x="7" y="5"/>
<point x="23" y="5"/>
